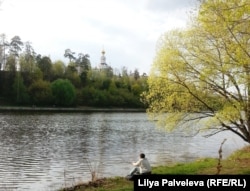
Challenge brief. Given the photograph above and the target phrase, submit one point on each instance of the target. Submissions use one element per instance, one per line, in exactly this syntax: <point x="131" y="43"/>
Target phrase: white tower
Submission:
<point x="103" y="63"/>
<point x="103" y="58"/>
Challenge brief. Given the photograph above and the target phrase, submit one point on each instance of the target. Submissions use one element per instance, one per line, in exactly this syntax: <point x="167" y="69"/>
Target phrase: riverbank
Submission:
<point x="68" y="109"/>
<point x="235" y="164"/>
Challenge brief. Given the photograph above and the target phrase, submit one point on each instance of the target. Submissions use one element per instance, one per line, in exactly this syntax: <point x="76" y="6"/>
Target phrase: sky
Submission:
<point x="127" y="30"/>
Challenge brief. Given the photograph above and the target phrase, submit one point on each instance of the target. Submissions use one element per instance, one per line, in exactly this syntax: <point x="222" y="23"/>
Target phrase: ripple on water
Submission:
<point x="46" y="151"/>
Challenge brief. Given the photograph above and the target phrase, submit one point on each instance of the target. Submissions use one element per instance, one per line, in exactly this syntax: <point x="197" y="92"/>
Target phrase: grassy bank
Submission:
<point x="237" y="163"/>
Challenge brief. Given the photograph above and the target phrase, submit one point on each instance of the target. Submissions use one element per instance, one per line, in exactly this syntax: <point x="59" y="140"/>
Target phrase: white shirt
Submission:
<point x="143" y="164"/>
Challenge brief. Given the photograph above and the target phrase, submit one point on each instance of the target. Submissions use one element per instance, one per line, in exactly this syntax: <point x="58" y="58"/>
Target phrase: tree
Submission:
<point x="20" y="92"/>
<point x="83" y="65"/>
<point x="58" y="69"/>
<point x="11" y="64"/>
<point x="28" y="58"/>
<point x="72" y="74"/>
<point x="68" y="53"/>
<point x="64" y="92"/>
<point x="136" y="74"/>
<point x="205" y="70"/>
<point x="16" y="47"/>
<point x="124" y="71"/>
<point x="83" y="61"/>
<point x="3" y="46"/>
<point x="37" y="74"/>
<point x="45" y="65"/>
<point x="40" y="92"/>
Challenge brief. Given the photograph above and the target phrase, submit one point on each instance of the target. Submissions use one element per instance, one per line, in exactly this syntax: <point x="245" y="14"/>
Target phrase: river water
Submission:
<point x="48" y="151"/>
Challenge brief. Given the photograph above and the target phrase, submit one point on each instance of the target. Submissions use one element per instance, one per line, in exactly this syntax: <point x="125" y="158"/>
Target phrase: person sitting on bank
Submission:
<point x="142" y="166"/>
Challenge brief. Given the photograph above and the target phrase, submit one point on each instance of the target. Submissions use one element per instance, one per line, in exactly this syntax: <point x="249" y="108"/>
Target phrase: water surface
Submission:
<point x="47" y="151"/>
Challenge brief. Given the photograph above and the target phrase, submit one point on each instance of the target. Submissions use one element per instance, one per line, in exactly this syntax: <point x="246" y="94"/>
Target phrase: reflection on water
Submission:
<point x="47" y="151"/>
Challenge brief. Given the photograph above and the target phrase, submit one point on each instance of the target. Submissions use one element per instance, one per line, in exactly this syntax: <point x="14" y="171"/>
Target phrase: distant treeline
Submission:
<point x="27" y="78"/>
<point x="99" y="90"/>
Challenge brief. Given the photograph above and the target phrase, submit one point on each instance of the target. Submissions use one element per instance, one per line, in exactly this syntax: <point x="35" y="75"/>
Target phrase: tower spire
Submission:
<point x="103" y="64"/>
<point x="103" y="58"/>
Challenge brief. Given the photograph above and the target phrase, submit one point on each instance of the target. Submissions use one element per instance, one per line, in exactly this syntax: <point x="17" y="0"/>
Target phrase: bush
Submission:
<point x="63" y="92"/>
<point x="40" y="92"/>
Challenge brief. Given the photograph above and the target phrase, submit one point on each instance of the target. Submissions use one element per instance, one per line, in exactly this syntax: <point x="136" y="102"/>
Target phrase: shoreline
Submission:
<point x="235" y="164"/>
<point x="68" y="109"/>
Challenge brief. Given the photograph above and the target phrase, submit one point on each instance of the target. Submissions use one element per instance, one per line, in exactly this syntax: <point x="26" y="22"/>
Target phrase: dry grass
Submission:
<point x="237" y="163"/>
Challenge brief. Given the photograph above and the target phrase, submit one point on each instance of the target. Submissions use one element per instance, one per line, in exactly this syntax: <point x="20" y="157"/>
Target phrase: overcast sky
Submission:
<point x="126" y="29"/>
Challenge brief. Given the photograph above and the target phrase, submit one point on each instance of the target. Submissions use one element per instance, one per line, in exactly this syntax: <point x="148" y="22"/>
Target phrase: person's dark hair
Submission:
<point x="142" y="155"/>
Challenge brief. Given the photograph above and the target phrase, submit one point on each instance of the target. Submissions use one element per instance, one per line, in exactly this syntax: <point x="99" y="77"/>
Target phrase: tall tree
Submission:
<point x="45" y="65"/>
<point x="83" y="61"/>
<point x="15" y="48"/>
<point x="136" y="74"/>
<point x="69" y="54"/>
<point x="205" y="68"/>
<point x="72" y="74"/>
<point x="10" y="64"/>
<point x="83" y="65"/>
<point x="29" y="56"/>
<point x="3" y="47"/>
<point x="58" y="69"/>
<point x="20" y="92"/>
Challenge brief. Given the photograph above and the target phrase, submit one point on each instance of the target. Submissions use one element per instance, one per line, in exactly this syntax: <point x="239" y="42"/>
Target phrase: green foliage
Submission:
<point x="94" y="87"/>
<point x="63" y="92"/>
<point x="58" y="69"/>
<point x="105" y="84"/>
<point x="84" y="77"/>
<point x="84" y="67"/>
<point x="37" y="74"/>
<point x="111" y="97"/>
<point x="68" y="53"/>
<point x="20" y="93"/>
<point x="72" y="75"/>
<point x="7" y="81"/>
<point x="97" y="97"/>
<point x="11" y="64"/>
<point x="206" y="166"/>
<point x="15" y="46"/>
<point x="27" y="63"/>
<point x="100" y="98"/>
<point x="40" y="93"/>
<point x="186" y="168"/>
<point x="205" y="69"/>
<point x="45" y="65"/>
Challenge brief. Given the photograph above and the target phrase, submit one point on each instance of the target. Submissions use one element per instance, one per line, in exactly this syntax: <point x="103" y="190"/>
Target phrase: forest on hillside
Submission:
<point x="28" y="78"/>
